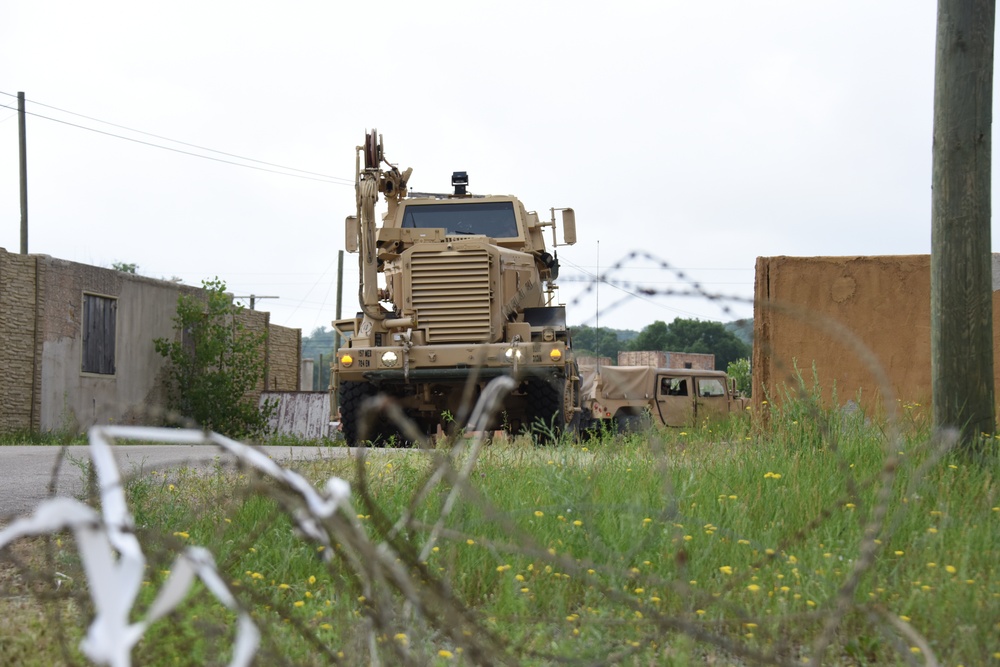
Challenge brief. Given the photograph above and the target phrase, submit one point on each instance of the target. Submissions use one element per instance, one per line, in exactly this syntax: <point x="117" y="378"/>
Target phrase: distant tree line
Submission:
<point x="728" y="342"/>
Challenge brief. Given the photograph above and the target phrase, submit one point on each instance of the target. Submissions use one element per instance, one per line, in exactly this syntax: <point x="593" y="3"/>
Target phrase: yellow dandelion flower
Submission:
<point x="171" y="487"/>
<point x="539" y="513"/>
<point x="810" y="603"/>
<point x="898" y="552"/>
<point x="950" y="569"/>
<point x="640" y="591"/>
<point x="700" y="612"/>
<point x="470" y="542"/>
<point x="401" y="637"/>
<point x="726" y="569"/>
<point x="312" y="580"/>
<point x="578" y="523"/>
<point x="299" y="603"/>
<point x="753" y="588"/>
<point x="688" y="538"/>
<point x="284" y="586"/>
<point x="445" y="653"/>
<point x="325" y="626"/>
<point x="525" y="589"/>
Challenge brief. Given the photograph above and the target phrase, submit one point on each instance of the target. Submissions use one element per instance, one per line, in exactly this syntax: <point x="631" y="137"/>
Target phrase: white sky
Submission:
<point x="705" y="133"/>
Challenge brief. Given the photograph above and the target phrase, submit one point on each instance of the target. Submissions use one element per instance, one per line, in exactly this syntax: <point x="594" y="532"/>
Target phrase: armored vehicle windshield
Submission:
<point x="493" y="219"/>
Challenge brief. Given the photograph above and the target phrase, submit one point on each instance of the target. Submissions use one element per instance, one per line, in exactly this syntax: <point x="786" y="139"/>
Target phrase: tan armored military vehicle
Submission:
<point x="629" y="397"/>
<point x="456" y="289"/>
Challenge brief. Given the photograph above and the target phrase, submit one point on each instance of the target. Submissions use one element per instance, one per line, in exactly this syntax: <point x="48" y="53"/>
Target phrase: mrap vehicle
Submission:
<point x="455" y="289"/>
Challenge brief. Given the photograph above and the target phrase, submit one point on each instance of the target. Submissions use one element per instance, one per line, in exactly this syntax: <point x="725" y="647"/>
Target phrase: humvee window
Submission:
<point x="711" y="387"/>
<point x="673" y="387"/>
<point x="493" y="219"/>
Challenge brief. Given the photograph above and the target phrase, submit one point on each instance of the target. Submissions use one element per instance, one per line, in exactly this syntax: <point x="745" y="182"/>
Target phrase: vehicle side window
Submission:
<point x="673" y="387"/>
<point x="708" y="387"/>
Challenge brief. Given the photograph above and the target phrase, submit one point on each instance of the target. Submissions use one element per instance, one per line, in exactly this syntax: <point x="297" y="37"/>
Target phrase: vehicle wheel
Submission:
<point x="551" y="402"/>
<point x="352" y="395"/>
<point x="632" y="423"/>
<point x="381" y="433"/>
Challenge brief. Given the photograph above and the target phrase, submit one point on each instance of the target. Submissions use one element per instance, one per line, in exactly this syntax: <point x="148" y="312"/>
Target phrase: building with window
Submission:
<point x="76" y="345"/>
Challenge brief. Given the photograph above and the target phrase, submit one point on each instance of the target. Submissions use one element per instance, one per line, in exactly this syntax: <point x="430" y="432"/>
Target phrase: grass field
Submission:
<point x="813" y="536"/>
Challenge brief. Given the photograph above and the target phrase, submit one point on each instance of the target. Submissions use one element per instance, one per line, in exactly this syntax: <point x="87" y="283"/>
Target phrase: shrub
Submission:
<point x="214" y="364"/>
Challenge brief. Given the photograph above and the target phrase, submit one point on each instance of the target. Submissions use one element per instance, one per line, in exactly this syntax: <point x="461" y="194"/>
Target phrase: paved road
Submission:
<point x="26" y="472"/>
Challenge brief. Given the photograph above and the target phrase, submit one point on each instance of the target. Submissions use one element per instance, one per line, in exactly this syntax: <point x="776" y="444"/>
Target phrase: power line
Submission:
<point x="335" y="180"/>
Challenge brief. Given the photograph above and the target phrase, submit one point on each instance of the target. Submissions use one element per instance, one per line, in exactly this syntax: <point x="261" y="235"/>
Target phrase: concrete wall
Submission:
<point x="73" y="400"/>
<point x="285" y="352"/>
<point x="808" y="309"/>
<point x="42" y="385"/>
<point x="18" y="349"/>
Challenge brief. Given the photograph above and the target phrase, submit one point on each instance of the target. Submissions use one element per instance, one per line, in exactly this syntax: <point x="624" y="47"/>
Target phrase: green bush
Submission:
<point x="214" y="363"/>
<point x="739" y="370"/>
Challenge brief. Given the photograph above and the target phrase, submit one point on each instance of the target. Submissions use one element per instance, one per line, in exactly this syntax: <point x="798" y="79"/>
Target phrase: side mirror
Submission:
<point x="351" y="236"/>
<point x="569" y="226"/>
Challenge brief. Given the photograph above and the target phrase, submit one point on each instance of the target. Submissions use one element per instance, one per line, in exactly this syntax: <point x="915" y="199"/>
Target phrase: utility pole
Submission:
<point x="253" y="299"/>
<point x="22" y="143"/>
<point x="961" y="263"/>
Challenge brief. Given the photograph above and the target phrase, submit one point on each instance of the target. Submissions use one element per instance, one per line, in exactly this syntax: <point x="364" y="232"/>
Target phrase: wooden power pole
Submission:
<point x="22" y="144"/>
<point x="961" y="262"/>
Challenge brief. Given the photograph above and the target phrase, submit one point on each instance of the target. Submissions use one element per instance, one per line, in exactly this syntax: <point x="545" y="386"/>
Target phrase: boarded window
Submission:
<point x="99" y="315"/>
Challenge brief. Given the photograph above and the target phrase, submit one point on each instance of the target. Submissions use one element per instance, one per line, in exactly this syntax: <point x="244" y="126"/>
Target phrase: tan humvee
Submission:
<point x="628" y="397"/>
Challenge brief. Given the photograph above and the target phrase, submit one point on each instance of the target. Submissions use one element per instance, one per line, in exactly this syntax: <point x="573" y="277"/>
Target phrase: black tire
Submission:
<point x="381" y="432"/>
<point x="633" y="423"/>
<point x="352" y="395"/>
<point x="550" y="401"/>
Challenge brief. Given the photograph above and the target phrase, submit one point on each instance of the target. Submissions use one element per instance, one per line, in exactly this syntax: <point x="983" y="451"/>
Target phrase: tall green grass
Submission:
<point x="737" y="543"/>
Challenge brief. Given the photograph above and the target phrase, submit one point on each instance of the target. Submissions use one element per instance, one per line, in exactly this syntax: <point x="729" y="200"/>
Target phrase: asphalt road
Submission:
<point x="27" y="472"/>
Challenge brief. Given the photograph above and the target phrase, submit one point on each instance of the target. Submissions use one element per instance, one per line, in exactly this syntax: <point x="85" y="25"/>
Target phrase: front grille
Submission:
<point x="450" y="293"/>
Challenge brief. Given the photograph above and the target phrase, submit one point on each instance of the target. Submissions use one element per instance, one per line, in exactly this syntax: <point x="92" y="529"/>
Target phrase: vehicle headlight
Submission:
<point x="346" y="361"/>
<point x="555" y="354"/>
<point x="512" y="354"/>
<point x="389" y="358"/>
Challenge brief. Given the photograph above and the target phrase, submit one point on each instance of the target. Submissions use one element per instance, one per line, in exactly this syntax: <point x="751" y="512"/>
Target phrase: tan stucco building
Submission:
<point x="76" y="344"/>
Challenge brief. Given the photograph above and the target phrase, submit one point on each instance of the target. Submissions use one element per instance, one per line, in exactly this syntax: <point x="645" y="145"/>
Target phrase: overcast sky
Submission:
<point x="704" y="133"/>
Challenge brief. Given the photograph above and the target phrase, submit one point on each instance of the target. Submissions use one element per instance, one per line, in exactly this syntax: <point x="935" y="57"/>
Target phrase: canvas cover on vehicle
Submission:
<point x="617" y="382"/>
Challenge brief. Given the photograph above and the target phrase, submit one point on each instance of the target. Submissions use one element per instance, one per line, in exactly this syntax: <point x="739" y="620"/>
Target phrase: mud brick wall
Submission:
<point x="849" y="318"/>
<point x="18" y="342"/>
<point x="284" y="354"/>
